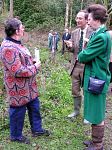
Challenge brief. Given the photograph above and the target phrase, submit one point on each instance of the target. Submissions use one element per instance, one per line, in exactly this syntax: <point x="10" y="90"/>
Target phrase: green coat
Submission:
<point x="96" y="64"/>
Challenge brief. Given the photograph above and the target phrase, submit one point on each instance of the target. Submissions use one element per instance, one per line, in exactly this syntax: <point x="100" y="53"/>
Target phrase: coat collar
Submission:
<point x="100" y="30"/>
<point x="13" y="40"/>
<point x="95" y="34"/>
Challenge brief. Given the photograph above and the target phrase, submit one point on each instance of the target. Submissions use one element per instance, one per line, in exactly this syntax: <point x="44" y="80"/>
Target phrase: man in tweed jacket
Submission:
<point x="76" y="69"/>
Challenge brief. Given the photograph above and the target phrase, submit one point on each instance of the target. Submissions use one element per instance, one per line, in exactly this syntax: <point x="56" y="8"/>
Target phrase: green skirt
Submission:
<point x="94" y="107"/>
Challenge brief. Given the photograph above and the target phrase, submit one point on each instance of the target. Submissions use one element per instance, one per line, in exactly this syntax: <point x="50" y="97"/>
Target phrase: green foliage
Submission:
<point x="60" y="81"/>
<point x="56" y="103"/>
<point x="54" y="85"/>
<point x="39" y="14"/>
<point x="45" y="14"/>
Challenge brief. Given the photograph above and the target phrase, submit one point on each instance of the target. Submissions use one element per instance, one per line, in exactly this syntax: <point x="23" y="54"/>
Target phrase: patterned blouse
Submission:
<point x="19" y="72"/>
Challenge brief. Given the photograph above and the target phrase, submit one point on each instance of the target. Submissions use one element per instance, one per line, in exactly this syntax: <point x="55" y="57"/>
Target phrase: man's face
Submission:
<point x="66" y="30"/>
<point x="80" y="20"/>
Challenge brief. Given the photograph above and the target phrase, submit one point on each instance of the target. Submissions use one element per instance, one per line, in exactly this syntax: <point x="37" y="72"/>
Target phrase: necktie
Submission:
<point x="81" y="42"/>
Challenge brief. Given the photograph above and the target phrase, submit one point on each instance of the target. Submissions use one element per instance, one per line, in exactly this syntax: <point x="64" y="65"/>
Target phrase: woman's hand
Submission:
<point x="38" y="64"/>
<point x="34" y="61"/>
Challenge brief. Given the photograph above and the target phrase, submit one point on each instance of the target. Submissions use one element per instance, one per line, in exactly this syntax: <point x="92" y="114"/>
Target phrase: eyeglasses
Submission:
<point x="21" y="27"/>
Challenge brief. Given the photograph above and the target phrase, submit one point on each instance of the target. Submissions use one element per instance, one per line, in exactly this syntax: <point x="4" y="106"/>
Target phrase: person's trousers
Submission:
<point x="77" y="80"/>
<point x="17" y="116"/>
<point x="63" y="48"/>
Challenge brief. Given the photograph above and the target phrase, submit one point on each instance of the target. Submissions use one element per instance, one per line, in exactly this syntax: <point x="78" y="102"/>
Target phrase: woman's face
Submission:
<point x="91" y="22"/>
<point x="20" y="31"/>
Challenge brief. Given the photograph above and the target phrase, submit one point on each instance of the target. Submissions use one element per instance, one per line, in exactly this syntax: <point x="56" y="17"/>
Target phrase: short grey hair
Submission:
<point x="11" y="25"/>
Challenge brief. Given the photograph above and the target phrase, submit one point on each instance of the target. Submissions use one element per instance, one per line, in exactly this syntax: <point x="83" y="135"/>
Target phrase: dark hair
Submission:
<point x="11" y="25"/>
<point x="86" y="13"/>
<point x="99" y="12"/>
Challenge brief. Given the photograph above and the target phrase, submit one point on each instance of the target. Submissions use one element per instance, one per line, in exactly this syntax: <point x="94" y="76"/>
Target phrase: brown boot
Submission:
<point x="97" y="138"/>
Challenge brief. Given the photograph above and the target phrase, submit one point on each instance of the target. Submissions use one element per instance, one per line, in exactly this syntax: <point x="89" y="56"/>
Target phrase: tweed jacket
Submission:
<point x="19" y="72"/>
<point x="75" y="37"/>
<point x="96" y="57"/>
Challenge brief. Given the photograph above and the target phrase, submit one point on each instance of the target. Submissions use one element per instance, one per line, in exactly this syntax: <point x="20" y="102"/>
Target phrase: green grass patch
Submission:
<point x="54" y="84"/>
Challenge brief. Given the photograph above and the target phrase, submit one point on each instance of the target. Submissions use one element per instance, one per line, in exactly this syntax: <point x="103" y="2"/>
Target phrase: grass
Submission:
<point x="54" y="86"/>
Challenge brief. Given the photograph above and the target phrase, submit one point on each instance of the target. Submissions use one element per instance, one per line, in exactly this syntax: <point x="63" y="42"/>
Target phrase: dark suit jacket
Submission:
<point x="64" y="37"/>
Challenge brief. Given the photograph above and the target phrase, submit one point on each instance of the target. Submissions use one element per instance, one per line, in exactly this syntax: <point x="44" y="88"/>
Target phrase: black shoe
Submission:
<point x="23" y="139"/>
<point x="87" y="142"/>
<point x="44" y="132"/>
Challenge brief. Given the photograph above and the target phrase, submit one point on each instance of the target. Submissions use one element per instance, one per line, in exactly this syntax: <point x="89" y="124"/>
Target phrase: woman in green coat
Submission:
<point x="96" y="59"/>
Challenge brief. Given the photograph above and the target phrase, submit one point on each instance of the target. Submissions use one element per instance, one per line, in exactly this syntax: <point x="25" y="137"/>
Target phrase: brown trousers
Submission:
<point x="77" y="79"/>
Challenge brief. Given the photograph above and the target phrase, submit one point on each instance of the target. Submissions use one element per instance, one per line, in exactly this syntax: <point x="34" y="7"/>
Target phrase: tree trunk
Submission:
<point x="11" y="8"/>
<point x="67" y="13"/>
<point x="71" y="4"/>
<point x="3" y="6"/>
<point x="81" y="4"/>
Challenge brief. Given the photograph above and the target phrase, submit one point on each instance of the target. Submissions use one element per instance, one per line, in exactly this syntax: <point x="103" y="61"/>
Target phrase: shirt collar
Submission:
<point x="102" y="26"/>
<point x="84" y="30"/>
<point x="13" y="40"/>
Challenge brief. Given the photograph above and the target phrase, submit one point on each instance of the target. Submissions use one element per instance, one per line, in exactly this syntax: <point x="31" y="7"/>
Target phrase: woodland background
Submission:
<point x="54" y="82"/>
<point x="45" y="14"/>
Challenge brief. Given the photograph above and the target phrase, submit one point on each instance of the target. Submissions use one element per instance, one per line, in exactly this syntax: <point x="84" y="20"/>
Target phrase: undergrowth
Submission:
<point x="54" y="86"/>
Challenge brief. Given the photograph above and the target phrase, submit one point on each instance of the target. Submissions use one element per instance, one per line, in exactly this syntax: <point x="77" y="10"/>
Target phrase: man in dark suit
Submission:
<point x="79" y="38"/>
<point x="66" y="36"/>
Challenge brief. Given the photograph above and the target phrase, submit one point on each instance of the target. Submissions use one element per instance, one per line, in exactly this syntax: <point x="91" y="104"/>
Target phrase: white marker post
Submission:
<point x="37" y="55"/>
